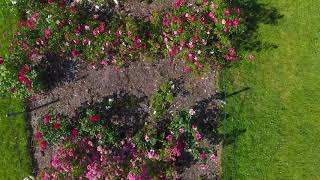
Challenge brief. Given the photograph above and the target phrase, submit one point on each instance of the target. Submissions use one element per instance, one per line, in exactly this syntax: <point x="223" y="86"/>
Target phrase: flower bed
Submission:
<point x="196" y="34"/>
<point x="92" y="147"/>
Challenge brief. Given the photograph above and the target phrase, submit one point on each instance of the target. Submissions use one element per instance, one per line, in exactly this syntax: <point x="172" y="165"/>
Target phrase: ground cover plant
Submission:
<point x="274" y="125"/>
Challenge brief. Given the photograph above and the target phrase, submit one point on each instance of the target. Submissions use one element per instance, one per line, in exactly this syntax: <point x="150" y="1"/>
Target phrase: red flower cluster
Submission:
<point x="74" y="132"/>
<point x="43" y="145"/>
<point x="95" y="118"/>
<point x="22" y="76"/>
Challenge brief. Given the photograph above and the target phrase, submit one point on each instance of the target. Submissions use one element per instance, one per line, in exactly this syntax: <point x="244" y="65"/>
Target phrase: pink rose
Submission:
<point x="198" y="136"/>
<point x="147" y="138"/>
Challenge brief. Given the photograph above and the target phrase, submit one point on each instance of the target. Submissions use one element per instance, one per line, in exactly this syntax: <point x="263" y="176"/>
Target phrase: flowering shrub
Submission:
<point x="97" y="128"/>
<point x="90" y="147"/>
<point x="196" y="34"/>
<point x="53" y="129"/>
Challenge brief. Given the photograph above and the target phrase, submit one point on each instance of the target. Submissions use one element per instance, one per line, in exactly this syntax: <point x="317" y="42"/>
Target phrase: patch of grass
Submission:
<point x="280" y="112"/>
<point x="10" y="168"/>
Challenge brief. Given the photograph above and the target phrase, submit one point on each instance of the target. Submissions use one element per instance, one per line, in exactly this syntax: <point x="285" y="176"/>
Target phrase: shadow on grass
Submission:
<point x="254" y="14"/>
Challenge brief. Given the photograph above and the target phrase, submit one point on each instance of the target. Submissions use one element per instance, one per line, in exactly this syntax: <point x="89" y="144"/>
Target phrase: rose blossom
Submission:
<point x="95" y="118"/>
<point x="46" y="119"/>
<point x="181" y="130"/>
<point x="169" y="137"/>
<point x="232" y="51"/>
<point x="251" y="56"/>
<point x="211" y="14"/>
<point x="74" y="132"/>
<point x="56" y="125"/>
<point x="227" y="13"/>
<point x="236" y="22"/>
<point x="203" y="156"/>
<point x="43" y="145"/>
<point x="38" y="136"/>
<point x="147" y="138"/>
<point x="198" y="136"/>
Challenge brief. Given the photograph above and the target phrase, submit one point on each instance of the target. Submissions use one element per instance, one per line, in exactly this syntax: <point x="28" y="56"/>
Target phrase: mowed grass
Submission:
<point x="10" y="166"/>
<point x="276" y="123"/>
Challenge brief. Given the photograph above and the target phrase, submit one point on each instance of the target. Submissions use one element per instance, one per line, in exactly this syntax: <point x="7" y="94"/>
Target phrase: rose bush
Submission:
<point x="198" y="34"/>
<point x="90" y="148"/>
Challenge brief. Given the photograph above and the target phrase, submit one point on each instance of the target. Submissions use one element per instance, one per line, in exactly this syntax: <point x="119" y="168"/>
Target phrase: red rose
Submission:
<point x="75" y="53"/>
<point x="56" y="125"/>
<point x="178" y="3"/>
<point x="20" y="24"/>
<point x="1" y="60"/>
<point x="30" y="25"/>
<point x="102" y="27"/>
<point x="43" y="145"/>
<point x="46" y="119"/>
<point x="95" y="118"/>
<point x="75" y="132"/>
<point x="58" y="118"/>
<point x="203" y="156"/>
<point x="50" y="1"/>
<point x="28" y="83"/>
<point x="38" y="136"/>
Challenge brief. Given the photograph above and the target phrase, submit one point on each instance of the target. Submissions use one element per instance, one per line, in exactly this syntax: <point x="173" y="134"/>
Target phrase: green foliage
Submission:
<point x="101" y="131"/>
<point x="162" y="100"/>
<point x="54" y="128"/>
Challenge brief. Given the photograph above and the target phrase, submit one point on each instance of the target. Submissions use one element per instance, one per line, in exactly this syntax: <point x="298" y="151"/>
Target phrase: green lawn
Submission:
<point x="10" y="168"/>
<point x="279" y="116"/>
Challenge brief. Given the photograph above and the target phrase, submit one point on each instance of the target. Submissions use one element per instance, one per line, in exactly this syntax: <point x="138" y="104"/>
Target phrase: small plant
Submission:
<point x="98" y="129"/>
<point x="162" y="100"/>
<point x="53" y="129"/>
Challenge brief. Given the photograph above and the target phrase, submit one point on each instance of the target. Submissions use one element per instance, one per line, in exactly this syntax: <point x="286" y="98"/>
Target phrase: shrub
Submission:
<point x="198" y="35"/>
<point x="53" y="129"/>
<point x="162" y="100"/>
<point x="91" y="148"/>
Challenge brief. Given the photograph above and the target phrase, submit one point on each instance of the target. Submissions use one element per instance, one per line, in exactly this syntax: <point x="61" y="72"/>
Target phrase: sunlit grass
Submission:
<point x="280" y="113"/>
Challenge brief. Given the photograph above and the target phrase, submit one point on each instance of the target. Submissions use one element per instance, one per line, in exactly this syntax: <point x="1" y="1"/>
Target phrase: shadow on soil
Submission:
<point x="126" y="112"/>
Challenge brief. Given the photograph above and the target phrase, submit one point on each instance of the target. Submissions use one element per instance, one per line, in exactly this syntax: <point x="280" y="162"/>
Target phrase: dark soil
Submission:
<point x="90" y="85"/>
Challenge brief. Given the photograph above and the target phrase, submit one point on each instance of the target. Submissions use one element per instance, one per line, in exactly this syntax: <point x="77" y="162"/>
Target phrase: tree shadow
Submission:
<point x="55" y="70"/>
<point x="255" y="13"/>
<point x="207" y="120"/>
<point x="122" y="109"/>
